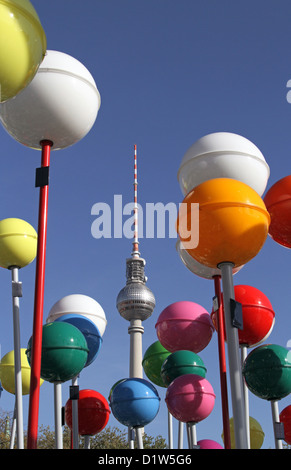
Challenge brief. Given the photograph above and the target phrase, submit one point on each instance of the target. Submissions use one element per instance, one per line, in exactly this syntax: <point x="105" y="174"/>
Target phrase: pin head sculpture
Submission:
<point x="230" y="222"/>
<point x="64" y="352"/>
<point x="184" y="325"/>
<point x="7" y="372"/>
<point x="278" y="203"/>
<point x="18" y="243"/>
<point x="22" y="46"/>
<point x="223" y="155"/>
<point x="60" y="104"/>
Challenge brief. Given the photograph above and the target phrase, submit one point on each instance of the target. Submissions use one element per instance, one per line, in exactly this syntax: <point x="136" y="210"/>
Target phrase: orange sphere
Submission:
<point x="278" y="203"/>
<point x="223" y="220"/>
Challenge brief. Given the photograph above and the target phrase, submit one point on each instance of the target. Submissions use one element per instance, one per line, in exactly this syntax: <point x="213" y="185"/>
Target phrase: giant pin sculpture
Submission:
<point x="18" y="242"/>
<point x="56" y="110"/>
<point x="233" y="225"/>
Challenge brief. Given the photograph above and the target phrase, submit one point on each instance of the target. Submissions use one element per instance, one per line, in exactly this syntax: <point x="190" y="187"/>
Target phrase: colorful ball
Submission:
<point x="7" y="373"/>
<point x="223" y="155"/>
<point x="18" y="243"/>
<point x="182" y="363"/>
<point x="258" y="315"/>
<point x="230" y="222"/>
<point x="267" y="372"/>
<point x="79" y="304"/>
<point x="90" y="332"/>
<point x="278" y="203"/>
<point x="208" y="444"/>
<point x="190" y="398"/>
<point x="134" y="402"/>
<point x="93" y="412"/>
<point x="153" y="360"/>
<point x="64" y="352"/>
<point x="22" y="46"/>
<point x="59" y="105"/>
<point x="285" y="418"/>
<point x="257" y="434"/>
<point x="184" y="325"/>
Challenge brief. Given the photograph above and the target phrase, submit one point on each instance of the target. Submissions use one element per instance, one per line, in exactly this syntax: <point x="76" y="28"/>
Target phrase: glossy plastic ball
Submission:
<point x="59" y="105"/>
<point x="285" y="418"/>
<point x="64" y="352"/>
<point x="7" y="373"/>
<point x="134" y="402"/>
<point x="22" y="46"/>
<point x="190" y="398"/>
<point x="258" y="315"/>
<point x="153" y="360"/>
<point x="278" y="203"/>
<point x="267" y="371"/>
<point x="18" y="243"/>
<point x="79" y="304"/>
<point x="223" y="220"/>
<point x="223" y="155"/>
<point x="90" y="332"/>
<point x="181" y="363"/>
<point x="184" y="325"/>
<point x="208" y="444"/>
<point x="93" y="412"/>
<point x="257" y="434"/>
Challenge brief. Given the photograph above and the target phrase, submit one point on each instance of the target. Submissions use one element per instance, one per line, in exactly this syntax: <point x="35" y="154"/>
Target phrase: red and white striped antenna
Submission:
<point x="135" y="251"/>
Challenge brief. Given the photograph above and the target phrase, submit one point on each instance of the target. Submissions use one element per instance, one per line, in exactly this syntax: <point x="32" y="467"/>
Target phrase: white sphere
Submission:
<point x="60" y="104"/>
<point x="197" y="268"/>
<point x="79" y="304"/>
<point x="223" y="155"/>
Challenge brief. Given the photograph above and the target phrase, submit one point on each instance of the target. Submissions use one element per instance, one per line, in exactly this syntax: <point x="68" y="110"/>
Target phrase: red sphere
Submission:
<point x="93" y="412"/>
<point x="285" y="418"/>
<point x="278" y="204"/>
<point x="258" y="315"/>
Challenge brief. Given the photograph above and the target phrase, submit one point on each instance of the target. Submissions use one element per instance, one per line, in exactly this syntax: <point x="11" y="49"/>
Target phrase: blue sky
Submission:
<point x="168" y="73"/>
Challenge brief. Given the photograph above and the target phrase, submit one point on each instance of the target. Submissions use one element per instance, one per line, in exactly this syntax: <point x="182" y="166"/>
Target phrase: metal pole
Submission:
<point x="276" y="422"/>
<point x="139" y="442"/>
<point x="17" y="357"/>
<point x="38" y="305"/>
<point x="87" y="442"/>
<point x="222" y="364"/>
<point x="192" y="436"/>
<point x="58" y="415"/>
<point x="180" y="435"/>
<point x="170" y="430"/>
<point x="75" y="413"/>
<point x="244" y="352"/>
<point x="237" y="397"/>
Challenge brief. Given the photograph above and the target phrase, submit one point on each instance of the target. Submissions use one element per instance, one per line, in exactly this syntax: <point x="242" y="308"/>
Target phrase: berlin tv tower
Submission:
<point x="135" y="302"/>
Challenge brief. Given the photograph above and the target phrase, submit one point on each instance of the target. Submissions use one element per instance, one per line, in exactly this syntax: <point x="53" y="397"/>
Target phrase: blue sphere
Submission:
<point x="134" y="402"/>
<point x="89" y="330"/>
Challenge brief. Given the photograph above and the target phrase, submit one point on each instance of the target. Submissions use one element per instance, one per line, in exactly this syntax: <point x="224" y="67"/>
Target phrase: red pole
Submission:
<point x="38" y="299"/>
<point x="222" y="364"/>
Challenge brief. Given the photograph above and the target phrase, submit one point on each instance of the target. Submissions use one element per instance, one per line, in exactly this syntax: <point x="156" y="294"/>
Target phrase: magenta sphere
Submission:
<point x="190" y="398"/>
<point x="208" y="444"/>
<point x="184" y="325"/>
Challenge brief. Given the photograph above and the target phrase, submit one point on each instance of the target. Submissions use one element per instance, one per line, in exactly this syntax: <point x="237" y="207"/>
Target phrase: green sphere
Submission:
<point x="267" y="372"/>
<point x="152" y="362"/>
<point x="181" y="363"/>
<point x="64" y="352"/>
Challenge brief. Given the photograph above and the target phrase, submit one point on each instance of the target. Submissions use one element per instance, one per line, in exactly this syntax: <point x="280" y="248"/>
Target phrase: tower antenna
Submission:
<point x="135" y="251"/>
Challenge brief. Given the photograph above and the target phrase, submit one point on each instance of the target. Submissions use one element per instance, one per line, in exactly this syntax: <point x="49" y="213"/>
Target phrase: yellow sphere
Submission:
<point x="257" y="435"/>
<point x="229" y="222"/>
<point x="22" y="46"/>
<point x="7" y="373"/>
<point x="18" y="243"/>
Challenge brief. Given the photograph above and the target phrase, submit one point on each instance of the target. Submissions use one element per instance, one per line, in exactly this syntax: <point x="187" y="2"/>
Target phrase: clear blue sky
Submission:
<point x="168" y="73"/>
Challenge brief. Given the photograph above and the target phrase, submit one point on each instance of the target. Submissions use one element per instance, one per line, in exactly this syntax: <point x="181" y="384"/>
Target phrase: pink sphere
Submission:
<point x="208" y="444"/>
<point x="184" y="325"/>
<point x="190" y="398"/>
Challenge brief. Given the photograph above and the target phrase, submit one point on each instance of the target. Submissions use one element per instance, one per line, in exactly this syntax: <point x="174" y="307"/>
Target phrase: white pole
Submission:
<point x="244" y="352"/>
<point x="235" y="372"/>
<point x="180" y="435"/>
<point x="75" y="414"/>
<point x="58" y="415"/>
<point x="276" y="422"/>
<point x="16" y="292"/>
<point x="139" y="442"/>
<point x="170" y="430"/>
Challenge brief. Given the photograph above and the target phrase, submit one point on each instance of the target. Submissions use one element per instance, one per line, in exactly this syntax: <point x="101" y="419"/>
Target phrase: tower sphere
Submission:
<point x="135" y="302"/>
